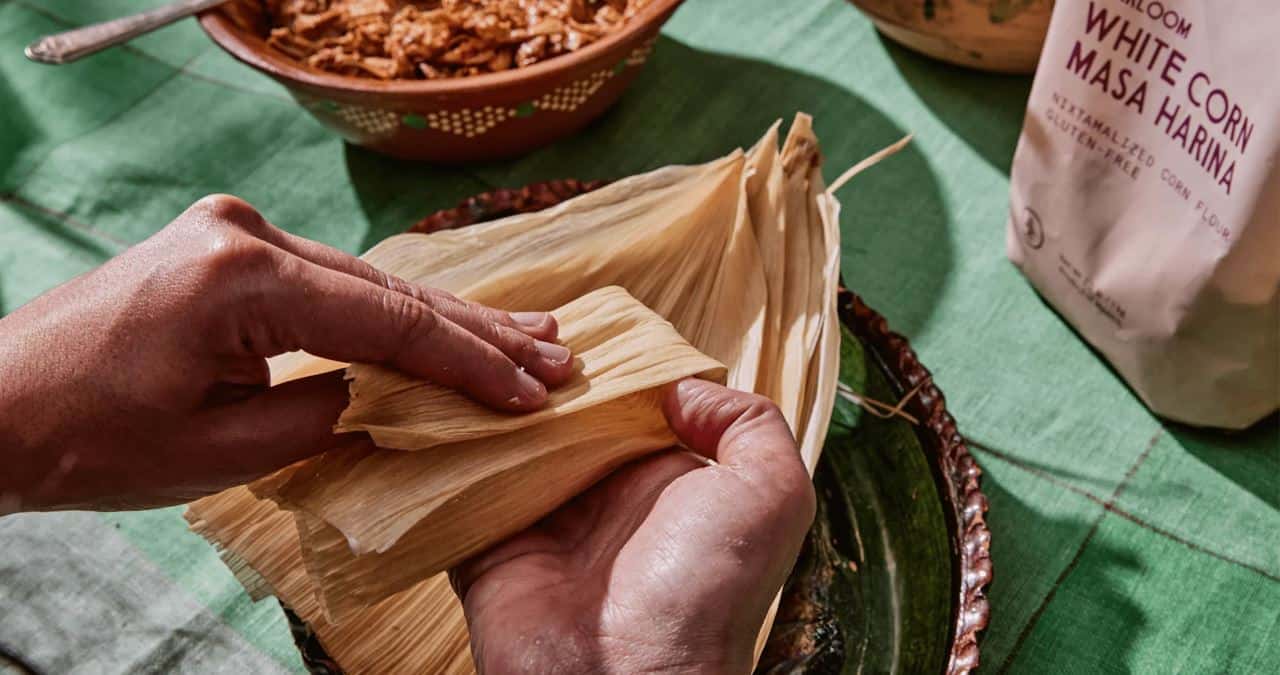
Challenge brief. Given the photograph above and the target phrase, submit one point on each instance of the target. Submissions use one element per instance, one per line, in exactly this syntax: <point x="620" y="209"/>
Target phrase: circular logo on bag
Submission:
<point x="1030" y="229"/>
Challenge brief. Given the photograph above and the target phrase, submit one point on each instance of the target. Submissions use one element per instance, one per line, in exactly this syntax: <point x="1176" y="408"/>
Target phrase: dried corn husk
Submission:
<point x="620" y="347"/>
<point x="354" y="505"/>
<point x="421" y="630"/>
<point x="739" y="254"/>
<point x="505" y="482"/>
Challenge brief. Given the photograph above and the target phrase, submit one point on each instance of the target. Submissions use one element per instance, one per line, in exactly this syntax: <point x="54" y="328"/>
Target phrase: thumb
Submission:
<point x="275" y="428"/>
<point x="746" y="433"/>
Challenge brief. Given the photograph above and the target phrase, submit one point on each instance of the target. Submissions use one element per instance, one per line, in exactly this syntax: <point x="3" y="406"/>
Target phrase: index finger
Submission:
<point x="540" y="324"/>
<point x="229" y="210"/>
<point x="333" y="315"/>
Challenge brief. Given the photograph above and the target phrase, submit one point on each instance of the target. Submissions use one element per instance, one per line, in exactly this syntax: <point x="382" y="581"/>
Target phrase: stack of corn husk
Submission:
<point x="725" y="270"/>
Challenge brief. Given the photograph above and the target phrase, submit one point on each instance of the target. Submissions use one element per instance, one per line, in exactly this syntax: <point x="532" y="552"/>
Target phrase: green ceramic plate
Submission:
<point x="893" y="574"/>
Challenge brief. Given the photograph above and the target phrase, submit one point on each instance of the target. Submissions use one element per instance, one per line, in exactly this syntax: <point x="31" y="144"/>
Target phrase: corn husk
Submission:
<point x="428" y="503"/>
<point x="373" y="522"/>
<point x="620" y="347"/>
<point x="421" y="630"/>
<point x="739" y="254"/>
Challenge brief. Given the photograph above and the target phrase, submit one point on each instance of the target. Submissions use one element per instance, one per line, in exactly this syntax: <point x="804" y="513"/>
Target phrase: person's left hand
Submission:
<point x="145" y="382"/>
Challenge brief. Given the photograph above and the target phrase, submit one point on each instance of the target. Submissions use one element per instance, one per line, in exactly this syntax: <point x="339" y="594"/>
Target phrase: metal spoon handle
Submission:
<point x="74" y="44"/>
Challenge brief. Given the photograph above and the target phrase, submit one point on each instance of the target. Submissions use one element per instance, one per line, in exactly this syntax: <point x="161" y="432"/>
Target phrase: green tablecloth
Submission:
<point x="1120" y="544"/>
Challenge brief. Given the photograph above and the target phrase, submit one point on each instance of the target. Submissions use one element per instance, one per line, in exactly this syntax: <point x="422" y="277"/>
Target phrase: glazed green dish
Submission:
<point x="871" y="592"/>
<point x="894" y="573"/>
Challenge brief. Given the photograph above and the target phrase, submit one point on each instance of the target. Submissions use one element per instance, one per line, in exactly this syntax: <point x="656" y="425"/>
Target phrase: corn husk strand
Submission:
<point x="740" y="255"/>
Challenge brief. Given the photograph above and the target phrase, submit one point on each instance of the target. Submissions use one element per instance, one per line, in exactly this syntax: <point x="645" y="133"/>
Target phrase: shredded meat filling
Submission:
<point x="432" y="39"/>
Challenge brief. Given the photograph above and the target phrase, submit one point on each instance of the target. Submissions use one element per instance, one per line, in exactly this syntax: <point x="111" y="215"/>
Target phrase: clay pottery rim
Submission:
<point x="250" y="48"/>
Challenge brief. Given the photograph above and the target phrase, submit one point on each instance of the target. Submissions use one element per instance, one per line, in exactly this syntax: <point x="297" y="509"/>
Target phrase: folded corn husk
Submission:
<point x="740" y="254"/>
<point x="504" y="482"/>
<point x="620" y="347"/>
<point x="374" y="522"/>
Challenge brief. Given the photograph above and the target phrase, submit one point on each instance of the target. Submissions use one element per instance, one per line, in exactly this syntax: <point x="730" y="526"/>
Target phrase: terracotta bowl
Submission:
<point x="994" y="35"/>
<point x="477" y="118"/>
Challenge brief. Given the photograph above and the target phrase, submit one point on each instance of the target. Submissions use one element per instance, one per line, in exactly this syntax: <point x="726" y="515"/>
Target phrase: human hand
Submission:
<point x="145" y="382"/>
<point x="668" y="565"/>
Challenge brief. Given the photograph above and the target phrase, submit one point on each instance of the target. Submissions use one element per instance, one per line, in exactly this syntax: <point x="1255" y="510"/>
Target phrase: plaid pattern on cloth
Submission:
<point x="1120" y="544"/>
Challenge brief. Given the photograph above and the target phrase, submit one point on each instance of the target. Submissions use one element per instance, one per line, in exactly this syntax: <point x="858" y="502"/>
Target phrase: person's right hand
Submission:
<point x="668" y="565"/>
<point x="145" y="382"/>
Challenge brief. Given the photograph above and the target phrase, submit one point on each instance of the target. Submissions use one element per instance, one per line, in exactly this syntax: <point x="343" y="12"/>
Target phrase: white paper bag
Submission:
<point x="1145" y="198"/>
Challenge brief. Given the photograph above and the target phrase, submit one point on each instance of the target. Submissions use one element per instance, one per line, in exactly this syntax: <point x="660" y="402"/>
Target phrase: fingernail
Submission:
<point x="557" y="354"/>
<point x="530" y="387"/>
<point x="529" y="319"/>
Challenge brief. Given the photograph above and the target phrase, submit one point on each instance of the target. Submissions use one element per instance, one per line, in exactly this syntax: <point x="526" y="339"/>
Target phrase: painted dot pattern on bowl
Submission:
<point x="371" y="121"/>
<point x="469" y="122"/>
<point x="640" y="54"/>
<point x="569" y="97"/>
<point x="373" y="124"/>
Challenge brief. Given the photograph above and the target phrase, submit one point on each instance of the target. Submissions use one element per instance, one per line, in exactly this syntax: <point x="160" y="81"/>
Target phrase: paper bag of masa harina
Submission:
<point x="1145" y="199"/>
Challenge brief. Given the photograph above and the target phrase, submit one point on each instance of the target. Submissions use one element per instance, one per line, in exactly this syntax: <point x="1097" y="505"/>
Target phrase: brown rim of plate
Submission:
<point x="251" y="48"/>
<point x="960" y="475"/>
